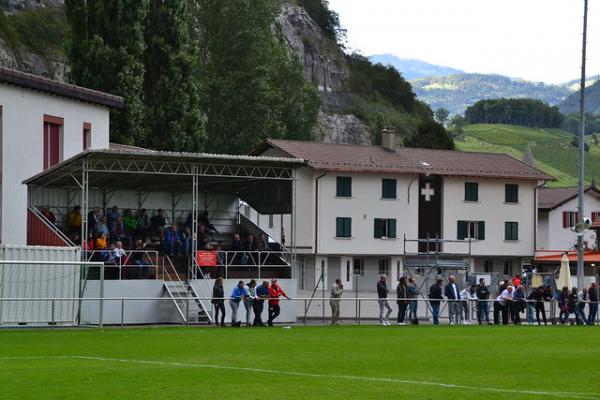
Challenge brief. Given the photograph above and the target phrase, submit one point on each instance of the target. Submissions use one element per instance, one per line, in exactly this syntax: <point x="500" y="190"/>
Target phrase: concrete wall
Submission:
<point x="492" y="209"/>
<point x="22" y="145"/>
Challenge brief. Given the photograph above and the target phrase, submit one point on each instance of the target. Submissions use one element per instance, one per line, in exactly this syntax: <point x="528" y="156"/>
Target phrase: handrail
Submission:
<point x="91" y="253"/>
<point x="52" y="227"/>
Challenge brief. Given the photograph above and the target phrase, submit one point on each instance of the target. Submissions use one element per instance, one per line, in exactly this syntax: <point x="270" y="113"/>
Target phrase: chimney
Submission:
<point x="389" y="139"/>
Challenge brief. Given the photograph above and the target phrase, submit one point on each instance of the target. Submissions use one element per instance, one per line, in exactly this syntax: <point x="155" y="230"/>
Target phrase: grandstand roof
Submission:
<point x="377" y="159"/>
<point x="39" y="83"/>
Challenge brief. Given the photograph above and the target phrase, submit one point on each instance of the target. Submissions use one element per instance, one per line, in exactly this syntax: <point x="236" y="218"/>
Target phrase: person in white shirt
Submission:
<point x="119" y="253"/>
<point x="465" y="297"/>
<point x="502" y="304"/>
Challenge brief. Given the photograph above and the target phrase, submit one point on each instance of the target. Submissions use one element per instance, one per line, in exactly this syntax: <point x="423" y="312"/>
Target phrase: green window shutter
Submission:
<point x="343" y="186"/>
<point x="511" y="231"/>
<point x="343" y="227"/>
<point x="348" y="227"/>
<point x="471" y="191"/>
<point x="388" y="189"/>
<point x="378" y="228"/>
<point x="461" y="230"/>
<point x="339" y="227"/>
<point x="511" y="194"/>
<point x="392" y="228"/>
<point x="481" y="230"/>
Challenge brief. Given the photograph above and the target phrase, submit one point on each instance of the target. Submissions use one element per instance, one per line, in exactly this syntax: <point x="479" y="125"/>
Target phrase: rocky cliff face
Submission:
<point x="19" y="5"/>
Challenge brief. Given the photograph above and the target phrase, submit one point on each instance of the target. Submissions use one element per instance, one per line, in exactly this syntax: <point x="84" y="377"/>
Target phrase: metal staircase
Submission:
<point x="184" y="297"/>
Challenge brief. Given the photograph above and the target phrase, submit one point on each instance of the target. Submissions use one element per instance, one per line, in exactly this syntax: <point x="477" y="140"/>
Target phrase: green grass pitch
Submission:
<point x="348" y="362"/>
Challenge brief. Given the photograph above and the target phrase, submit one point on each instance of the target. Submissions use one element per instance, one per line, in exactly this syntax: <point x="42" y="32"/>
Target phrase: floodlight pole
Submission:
<point x="580" y="253"/>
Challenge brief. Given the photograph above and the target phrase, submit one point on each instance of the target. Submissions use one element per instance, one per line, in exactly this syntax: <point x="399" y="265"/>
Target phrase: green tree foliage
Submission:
<point x="327" y="19"/>
<point x="441" y="115"/>
<point x="430" y="135"/>
<point x="106" y="52"/>
<point x="575" y="143"/>
<point x="253" y="91"/>
<point x="571" y="123"/>
<point x="526" y="112"/>
<point x="171" y="88"/>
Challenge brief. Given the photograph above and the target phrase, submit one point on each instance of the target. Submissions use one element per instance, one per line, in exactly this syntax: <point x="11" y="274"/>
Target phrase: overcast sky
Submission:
<point x="532" y="39"/>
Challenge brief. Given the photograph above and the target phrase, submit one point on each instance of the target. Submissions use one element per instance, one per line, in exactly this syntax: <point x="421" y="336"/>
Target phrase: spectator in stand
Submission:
<point x="130" y="222"/>
<point x="593" y="298"/>
<point x="337" y="289"/>
<point x="89" y="243"/>
<point x="262" y="294"/>
<point x="118" y="230"/>
<point x="275" y="292"/>
<point x="582" y="301"/>
<point x="452" y="293"/>
<point x="218" y="301"/>
<point x="138" y="257"/>
<point x="110" y="254"/>
<point x="537" y="295"/>
<point x="186" y="241"/>
<point x="119" y="254"/>
<point x="74" y="220"/>
<point x="382" y="293"/>
<point x="101" y="228"/>
<point x="203" y="238"/>
<point x="502" y="304"/>
<point x="435" y="295"/>
<point x="482" y="293"/>
<point x="143" y="224"/>
<point x="413" y="304"/>
<point x="49" y="215"/>
<point x="249" y="300"/>
<point x="239" y="256"/>
<point x="238" y="294"/>
<point x="203" y="219"/>
<point x="94" y="217"/>
<point x="101" y="242"/>
<point x="402" y="302"/>
<point x="262" y="245"/>
<point x="250" y="248"/>
<point x="518" y="304"/>
<point x="172" y="242"/>
<point x="111" y="216"/>
<point x="563" y="305"/>
<point x="157" y="223"/>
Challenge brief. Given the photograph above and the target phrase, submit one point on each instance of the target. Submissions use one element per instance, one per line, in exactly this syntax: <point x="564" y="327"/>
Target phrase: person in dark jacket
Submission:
<point x="538" y="296"/>
<point x="483" y="305"/>
<point x="563" y="305"/>
<point x="452" y="293"/>
<point x="593" y="297"/>
<point x="382" y="293"/>
<point x="262" y="294"/>
<point x="218" y="301"/>
<point x="435" y="295"/>
<point x="518" y="304"/>
<point x="402" y="295"/>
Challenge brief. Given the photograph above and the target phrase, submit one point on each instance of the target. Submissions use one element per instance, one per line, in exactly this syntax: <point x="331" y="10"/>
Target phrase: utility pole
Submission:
<point x="580" y="254"/>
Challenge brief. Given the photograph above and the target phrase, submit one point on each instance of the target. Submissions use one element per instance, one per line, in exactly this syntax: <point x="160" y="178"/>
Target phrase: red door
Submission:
<point x="51" y="144"/>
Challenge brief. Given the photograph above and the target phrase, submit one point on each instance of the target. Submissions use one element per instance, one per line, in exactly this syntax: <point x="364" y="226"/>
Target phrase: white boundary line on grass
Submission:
<point x="569" y="395"/>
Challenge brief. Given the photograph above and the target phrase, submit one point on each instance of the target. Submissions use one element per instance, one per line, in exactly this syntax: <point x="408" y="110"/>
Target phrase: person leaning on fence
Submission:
<point x="334" y="301"/>
<point x="584" y="298"/>
<point x="518" y="304"/>
<point x="275" y="292"/>
<point x="435" y="295"/>
<point x="593" y="300"/>
<point x="238" y="294"/>
<point x="402" y="302"/>
<point x="502" y="304"/>
<point x="218" y="301"/>
<point x="249" y="300"/>
<point x="382" y="293"/>
<point x="482" y="293"/>
<point x="466" y="295"/>
<point x="262" y="294"/>
<point x="563" y="305"/>
<point x="452" y="293"/>
<point x="537" y="296"/>
<point x="413" y="303"/>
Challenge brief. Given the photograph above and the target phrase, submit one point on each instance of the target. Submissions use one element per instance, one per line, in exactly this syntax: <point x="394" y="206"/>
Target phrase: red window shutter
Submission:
<point x="565" y="219"/>
<point x="51" y="144"/>
<point x="594" y="216"/>
<point x="576" y="219"/>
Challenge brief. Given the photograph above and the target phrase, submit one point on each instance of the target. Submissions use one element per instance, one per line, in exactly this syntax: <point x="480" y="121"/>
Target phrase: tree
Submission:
<point x="171" y="88"/>
<point x="457" y="123"/>
<point x="441" y="116"/>
<point x="253" y="90"/>
<point x="106" y="52"/>
<point x="430" y="135"/>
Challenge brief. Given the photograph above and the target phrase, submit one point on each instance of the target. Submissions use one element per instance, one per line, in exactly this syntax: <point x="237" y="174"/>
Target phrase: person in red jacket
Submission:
<point x="275" y="292"/>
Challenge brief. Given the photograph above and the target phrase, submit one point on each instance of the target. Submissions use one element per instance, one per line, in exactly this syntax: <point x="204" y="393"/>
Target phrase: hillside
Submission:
<point x="457" y="92"/>
<point x="550" y="148"/>
<point x="592" y="101"/>
<point x="414" y="69"/>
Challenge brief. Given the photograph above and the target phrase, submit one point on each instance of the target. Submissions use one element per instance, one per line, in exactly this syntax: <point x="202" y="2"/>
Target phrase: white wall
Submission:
<point x="553" y="236"/>
<point x="22" y="145"/>
<point x="492" y="209"/>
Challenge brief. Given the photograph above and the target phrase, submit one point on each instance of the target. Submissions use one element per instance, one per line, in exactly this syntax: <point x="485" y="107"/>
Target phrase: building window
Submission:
<point x="52" y="139"/>
<point x="270" y="221"/>
<point x="384" y="266"/>
<point x="471" y="191"/>
<point x="595" y="217"/>
<point x="511" y="193"/>
<point x="488" y="265"/>
<point x="343" y="186"/>
<point x="343" y="227"/>
<point x="384" y="228"/>
<point x="508" y="267"/>
<point x="388" y="189"/>
<point x="511" y="231"/>
<point x="359" y="267"/>
<point x="570" y="218"/>
<point x="471" y="230"/>
<point x="87" y="135"/>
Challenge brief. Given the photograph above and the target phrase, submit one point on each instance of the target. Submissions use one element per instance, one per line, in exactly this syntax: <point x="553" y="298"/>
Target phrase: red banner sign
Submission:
<point x="206" y="258"/>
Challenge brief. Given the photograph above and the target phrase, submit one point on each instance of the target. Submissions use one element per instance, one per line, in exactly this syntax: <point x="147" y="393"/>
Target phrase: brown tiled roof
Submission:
<point x="34" y="82"/>
<point x="376" y="159"/>
<point x="551" y="198"/>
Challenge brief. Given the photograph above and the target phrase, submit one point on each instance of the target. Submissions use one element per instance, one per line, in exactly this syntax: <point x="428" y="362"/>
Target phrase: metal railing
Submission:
<point x="150" y="255"/>
<point x="252" y="259"/>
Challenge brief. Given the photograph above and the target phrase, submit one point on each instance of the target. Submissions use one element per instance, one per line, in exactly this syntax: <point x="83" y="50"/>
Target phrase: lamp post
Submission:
<point x="580" y="254"/>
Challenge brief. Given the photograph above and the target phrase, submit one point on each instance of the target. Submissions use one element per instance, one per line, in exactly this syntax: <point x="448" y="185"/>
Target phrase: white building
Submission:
<point x="356" y="205"/>
<point x="43" y="122"/>
<point x="557" y="214"/>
